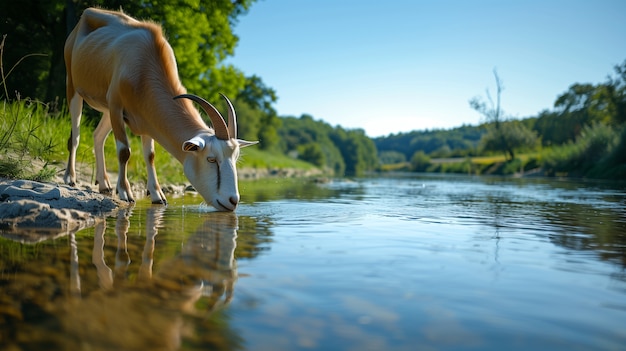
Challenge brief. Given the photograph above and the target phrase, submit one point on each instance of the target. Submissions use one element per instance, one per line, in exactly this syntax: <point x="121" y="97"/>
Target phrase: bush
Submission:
<point x="594" y="146"/>
<point x="420" y="161"/>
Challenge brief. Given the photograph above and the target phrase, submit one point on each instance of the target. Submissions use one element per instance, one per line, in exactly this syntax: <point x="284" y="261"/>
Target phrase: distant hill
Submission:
<point x="456" y="142"/>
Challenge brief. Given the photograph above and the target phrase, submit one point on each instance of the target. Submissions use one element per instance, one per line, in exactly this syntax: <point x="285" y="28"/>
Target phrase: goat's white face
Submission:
<point x="211" y="163"/>
<point x="211" y="168"/>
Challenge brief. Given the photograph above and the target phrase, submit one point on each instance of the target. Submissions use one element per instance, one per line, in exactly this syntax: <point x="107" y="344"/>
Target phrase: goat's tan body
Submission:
<point x="126" y="69"/>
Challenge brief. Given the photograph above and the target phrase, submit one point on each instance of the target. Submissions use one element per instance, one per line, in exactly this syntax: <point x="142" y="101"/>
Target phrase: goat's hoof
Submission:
<point x="159" y="202"/>
<point x="106" y="192"/>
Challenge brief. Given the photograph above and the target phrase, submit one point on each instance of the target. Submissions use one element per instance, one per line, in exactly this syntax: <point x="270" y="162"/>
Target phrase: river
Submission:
<point x="401" y="262"/>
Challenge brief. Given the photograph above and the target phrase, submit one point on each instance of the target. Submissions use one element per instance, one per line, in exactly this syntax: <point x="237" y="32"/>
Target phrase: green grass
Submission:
<point x="33" y="145"/>
<point x="254" y="157"/>
<point x="28" y="140"/>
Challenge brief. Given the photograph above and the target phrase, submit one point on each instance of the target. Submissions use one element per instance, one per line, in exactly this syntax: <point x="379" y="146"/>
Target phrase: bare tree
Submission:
<point x="502" y="135"/>
<point x="491" y="111"/>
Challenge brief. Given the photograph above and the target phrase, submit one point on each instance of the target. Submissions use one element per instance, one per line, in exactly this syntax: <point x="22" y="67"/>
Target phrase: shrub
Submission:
<point x="420" y="161"/>
<point x="595" y="144"/>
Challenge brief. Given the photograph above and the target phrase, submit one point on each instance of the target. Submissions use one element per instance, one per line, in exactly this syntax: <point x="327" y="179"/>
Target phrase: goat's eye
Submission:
<point x="211" y="159"/>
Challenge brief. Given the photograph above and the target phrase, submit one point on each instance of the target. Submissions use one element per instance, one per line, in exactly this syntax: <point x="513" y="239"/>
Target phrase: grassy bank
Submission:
<point x="481" y="165"/>
<point x="599" y="153"/>
<point x="33" y="145"/>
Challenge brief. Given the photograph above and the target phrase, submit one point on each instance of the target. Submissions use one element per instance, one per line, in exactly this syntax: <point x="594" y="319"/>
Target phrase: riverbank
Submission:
<point x="31" y="211"/>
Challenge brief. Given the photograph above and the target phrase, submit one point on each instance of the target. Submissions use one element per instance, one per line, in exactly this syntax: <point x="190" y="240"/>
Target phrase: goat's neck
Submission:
<point x="178" y="121"/>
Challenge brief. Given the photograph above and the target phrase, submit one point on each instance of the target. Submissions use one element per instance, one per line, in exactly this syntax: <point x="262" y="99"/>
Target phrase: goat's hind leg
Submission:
<point x="154" y="189"/>
<point x="76" y="109"/>
<point x="123" y="151"/>
<point x="100" y="135"/>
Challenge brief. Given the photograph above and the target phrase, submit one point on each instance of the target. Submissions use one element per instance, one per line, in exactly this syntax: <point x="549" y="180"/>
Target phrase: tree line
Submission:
<point x="335" y="149"/>
<point x="584" y="134"/>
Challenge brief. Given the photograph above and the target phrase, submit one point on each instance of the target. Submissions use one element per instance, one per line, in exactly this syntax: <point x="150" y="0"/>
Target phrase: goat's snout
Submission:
<point x="234" y="200"/>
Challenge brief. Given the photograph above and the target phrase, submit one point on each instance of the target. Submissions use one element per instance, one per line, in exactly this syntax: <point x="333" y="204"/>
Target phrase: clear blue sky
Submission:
<point x="401" y="65"/>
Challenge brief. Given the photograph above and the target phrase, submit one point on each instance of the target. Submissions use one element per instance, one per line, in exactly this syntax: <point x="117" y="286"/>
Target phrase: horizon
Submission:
<point x="415" y="65"/>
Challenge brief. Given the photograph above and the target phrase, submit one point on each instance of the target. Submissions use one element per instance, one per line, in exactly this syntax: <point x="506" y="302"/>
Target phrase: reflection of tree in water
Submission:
<point x="585" y="228"/>
<point x="253" y="237"/>
<point x="280" y="189"/>
<point x="130" y="298"/>
<point x="575" y="226"/>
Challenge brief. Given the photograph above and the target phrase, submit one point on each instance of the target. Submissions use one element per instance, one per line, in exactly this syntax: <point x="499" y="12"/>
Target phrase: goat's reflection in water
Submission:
<point x="149" y="312"/>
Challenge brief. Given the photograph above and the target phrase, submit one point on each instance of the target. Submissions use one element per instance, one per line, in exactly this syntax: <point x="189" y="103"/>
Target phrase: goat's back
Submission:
<point x="107" y="47"/>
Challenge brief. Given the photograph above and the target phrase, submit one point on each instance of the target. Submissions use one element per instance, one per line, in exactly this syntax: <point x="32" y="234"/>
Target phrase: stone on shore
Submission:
<point x="32" y="211"/>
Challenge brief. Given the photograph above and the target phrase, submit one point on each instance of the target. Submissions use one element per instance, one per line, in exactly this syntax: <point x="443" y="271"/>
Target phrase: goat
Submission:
<point x="126" y="69"/>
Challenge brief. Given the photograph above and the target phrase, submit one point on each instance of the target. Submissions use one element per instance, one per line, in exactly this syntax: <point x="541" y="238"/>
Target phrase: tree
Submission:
<point x="511" y="136"/>
<point x="460" y="141"/>
<point x="358" y="151"/>
<point x="260" y="99"/>
<point x="294" y="133"/>
<point x="391" y="157"/>
<point x="420" y="162"/>
<point x="35" y="33"/>
<point x="200" y="34"/>
<point x="501" y="136"/>
<point x="614" y="94"/>
<point x="312" y="153"/>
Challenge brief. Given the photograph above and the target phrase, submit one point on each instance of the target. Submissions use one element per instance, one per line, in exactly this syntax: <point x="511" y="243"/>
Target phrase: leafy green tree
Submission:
<point x="551" y="126"/>
<point x="586" y="104"/>
<point x="262" y="114"/>
<point x="249" y="120"/>
<point x="460" y="141"/>
<point x="258" y="95"/>
<point x="312" y="153"/>
<point x="510" y="137"/>
<point x="200" y="34"/>
<point x="420" y="161"/>
<point x="614" y="94"/>
<point x="345" y="152"/>
<point x="391" y="157"/>
<point x="34" y="34"/>
<point x="268" y="133"/>
<point x="358" y="151"/>
<point x="296" y="132"/>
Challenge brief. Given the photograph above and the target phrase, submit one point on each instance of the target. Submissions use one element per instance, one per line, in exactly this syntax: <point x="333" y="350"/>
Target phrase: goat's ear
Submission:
<point x="193" y="144"/>
<point x="244" y="143"/>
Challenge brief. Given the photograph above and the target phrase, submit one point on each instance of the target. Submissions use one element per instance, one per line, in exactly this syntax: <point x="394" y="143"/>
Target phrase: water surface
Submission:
<point x="383" y="263"/>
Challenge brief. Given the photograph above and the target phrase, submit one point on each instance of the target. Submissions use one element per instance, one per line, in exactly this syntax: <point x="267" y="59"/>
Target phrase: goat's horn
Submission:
<point x="219" y="125"/>
<point x="232" y="117"/>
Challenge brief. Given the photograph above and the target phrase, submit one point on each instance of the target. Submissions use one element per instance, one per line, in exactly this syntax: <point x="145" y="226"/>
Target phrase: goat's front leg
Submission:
<point x="123" y="152"/>
<point x="76" y="109"/>
<point x="154" y="189"/>
<point x="100" y="135"/>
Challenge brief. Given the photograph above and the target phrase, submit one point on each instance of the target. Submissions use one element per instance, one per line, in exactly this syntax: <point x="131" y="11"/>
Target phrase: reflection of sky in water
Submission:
<point x="439" y="262"/>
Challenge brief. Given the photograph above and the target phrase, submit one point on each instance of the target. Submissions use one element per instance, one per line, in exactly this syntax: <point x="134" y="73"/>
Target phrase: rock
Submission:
<point x="29" y="221"/>
<point x="32" y="211"/>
